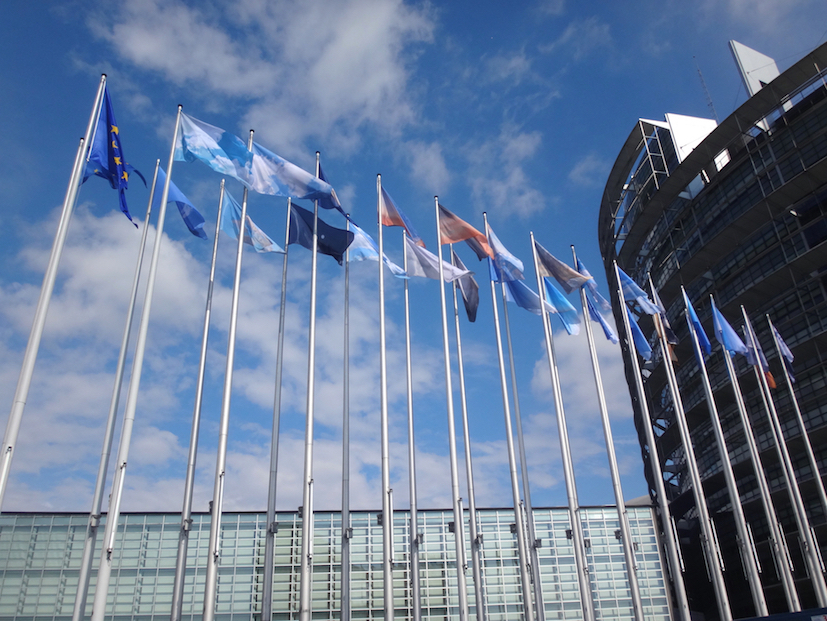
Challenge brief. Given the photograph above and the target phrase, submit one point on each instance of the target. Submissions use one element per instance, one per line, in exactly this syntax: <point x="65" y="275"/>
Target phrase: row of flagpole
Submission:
<point x="731" y="345"/>
<point x="509" y="276"/>
<point x="528" y="543"/>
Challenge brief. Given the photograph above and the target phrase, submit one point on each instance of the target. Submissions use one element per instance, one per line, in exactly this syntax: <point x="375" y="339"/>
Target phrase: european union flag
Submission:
<point x="106" y="158"/>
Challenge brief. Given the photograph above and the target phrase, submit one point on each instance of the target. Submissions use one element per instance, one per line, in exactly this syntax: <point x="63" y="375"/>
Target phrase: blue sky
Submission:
<point x="518" y="112"/>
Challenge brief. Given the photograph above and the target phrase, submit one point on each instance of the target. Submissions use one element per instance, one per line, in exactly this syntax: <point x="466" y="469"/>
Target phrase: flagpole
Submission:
<point x="346" y="531"/>
<point x="113" y="514"/>
<point x="387" y="514"/>
<point x="744" y="541"/>
<point x="217" y="505"/>
<point x="531" y="540"/>
<point x="805" y="532"/>
<point x="822" y="494"/>
<point x="459" y="527"/>
<point x="413" y="535"/>
<point x="778" y="543"/>
<point x="189" y="481"/>
<point x="109" y="432"/>
<point x="525" y="580"/>
<point x="622" y="512"/>
<point x="306" y="576"/>
<point x="709" y="541"/>
<point x="479" y="590"/>
<point x="578" y="540"/>
<point x="272" y="525"/>
<point x="672" y="545"/>
<point x="21" y="393"/>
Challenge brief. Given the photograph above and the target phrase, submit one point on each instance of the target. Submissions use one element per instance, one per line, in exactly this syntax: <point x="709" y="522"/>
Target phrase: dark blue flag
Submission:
<point x="106" y="158"/>
<point x="332" y="241"/>
<point x="191" y="216"/>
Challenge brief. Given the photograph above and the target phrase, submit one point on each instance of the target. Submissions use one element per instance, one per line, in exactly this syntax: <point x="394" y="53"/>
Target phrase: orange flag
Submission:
<point x="453" y="229"/>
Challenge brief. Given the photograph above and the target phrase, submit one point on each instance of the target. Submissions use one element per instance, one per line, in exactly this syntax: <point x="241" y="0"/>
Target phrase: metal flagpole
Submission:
<point x="578" y="540"/>
<point x="670" y="535"/>
<point x="709" y="541"/>
<point x="459" y="527"/>
<point x="105" y="568"/>
<point x="622" y="513"/>
<point x="306" y="576"/>
<point x="21" y="393"/>
<point x="778" y="543"/>
<point x="346" y="530"/>
<point x="822" y="494"/>
<point x="109" y="432"/>
<point x="476" y="570"/>
<point x="749" y="556"/>
<point x="214" y="551"/>
<point x="413" y="535"/>
<point x="525" y="580"/>
<point x="189" y="481"/>
<point x="272" y="525"/>
<point x="805" y="532"/>
<point x="387" y="513"/>
<point x="531" y="540"/>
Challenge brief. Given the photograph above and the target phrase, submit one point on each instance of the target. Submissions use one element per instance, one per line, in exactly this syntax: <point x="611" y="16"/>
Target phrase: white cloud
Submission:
<point x="513" y="67"/>
<point x="303" y="69"/>
<point x="764" y="15"/>
<point x="590" y="170"/>
<point x="552" y="7"/>
<point x="581" y="38"/>
<point x="427" y="164"/>
<point x="499" y="180"/>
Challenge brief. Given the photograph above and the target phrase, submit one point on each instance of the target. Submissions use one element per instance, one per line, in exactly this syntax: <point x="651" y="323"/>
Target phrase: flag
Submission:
<point x="106" y="158"/>
<point x="631" y="292"/>
<point x="469" y="289"/>
<point x="331" y="241"/>
<point x="786" y="354"/>
<point x="521" y="294"/>
<point x="563" y="308"/>
<point x="591" y="288"/>
<point x="755" y="355"/>
<point x="641" y="344"/>
<point x="659" y="329"/>
<point x="222" y="151"/>
<point x="506" y="265"/>
<point x="726" y="335"/>
<point x="668" y="333"/>
<point x="253" y="236"/>
<point x="452" y="230"/>
<point x="596" y="316"/>
<point x="424" y="264"/>
<point x="191" y="216"/>
<point x="391" y="215"/>
<point x="550" y="265"/>
<point x="363" y="248"/>
<point x="754" y="352"/>
<point x="331" y="202"/>
<point x="274" y="175"/>
<point x="695" y="324"/>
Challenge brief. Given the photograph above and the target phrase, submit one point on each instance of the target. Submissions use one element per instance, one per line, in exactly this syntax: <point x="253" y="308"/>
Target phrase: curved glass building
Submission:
<point x="736" y="209"/>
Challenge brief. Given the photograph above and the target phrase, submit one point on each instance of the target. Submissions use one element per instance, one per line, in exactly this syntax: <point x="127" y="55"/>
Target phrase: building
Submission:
<point x="737" y="209"/>
<point x="40" y="555"/>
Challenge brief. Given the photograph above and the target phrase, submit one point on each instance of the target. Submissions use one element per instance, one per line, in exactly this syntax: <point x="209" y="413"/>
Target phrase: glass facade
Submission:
<point x="40" y="556"/>
<point x="742" y="218"/>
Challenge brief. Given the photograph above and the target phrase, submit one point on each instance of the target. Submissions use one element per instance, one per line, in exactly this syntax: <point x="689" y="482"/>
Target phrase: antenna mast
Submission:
<point x="709" y="103"/>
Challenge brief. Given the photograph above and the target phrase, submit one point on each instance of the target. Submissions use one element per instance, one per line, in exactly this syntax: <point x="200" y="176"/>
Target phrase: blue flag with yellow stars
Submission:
<point x="106" y="158"/>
